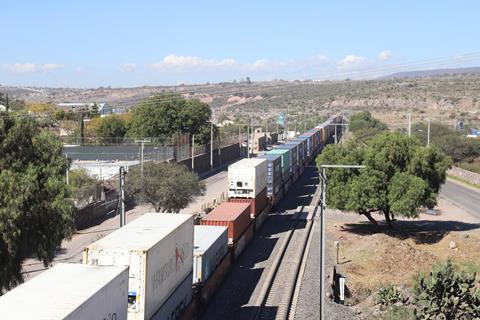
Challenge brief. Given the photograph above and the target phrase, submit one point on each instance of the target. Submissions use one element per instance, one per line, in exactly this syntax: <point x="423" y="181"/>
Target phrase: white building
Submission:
<point x="3" y="108"/>
<point x="104" y="109"/>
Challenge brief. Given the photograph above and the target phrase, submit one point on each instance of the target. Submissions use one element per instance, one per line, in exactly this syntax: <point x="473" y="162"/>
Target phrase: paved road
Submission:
<point x="71" y="251"/>
<point x="463" y="196"/>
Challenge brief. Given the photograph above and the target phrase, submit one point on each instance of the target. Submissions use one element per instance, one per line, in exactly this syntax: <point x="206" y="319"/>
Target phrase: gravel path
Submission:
<point x="308" y="305"/>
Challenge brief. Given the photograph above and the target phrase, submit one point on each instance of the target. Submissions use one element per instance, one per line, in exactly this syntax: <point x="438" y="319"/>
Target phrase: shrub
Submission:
<point x="389" y="295"/>
<point x="447" y="294"/>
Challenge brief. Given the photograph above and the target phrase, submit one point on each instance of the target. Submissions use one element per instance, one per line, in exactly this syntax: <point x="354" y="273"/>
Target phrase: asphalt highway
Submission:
<point x="468" y="198"/>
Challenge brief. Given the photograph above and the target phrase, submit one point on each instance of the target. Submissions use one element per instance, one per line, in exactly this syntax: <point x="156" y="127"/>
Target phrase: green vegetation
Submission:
<point x="454" y="144"/>
<point x="389" y="295"/>
<point x="364" y="127"/>
<point x="81" y="184"/>
<point x="168" y="114"/>
<point x="447" y="294"/>
<point x="169" y="187"/>
<point x="35" y="211"/>
<point x="400" y="176"/>
<point x="112" y="127"/>
<point x="12" y="104"/>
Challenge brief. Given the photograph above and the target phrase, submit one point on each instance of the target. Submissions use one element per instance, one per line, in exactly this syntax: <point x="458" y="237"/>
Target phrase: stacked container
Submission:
<point x="274" y="176"/>
<point x="159" y="250"/>
<point x="210" y="245"/>
<point x="70" y="291"/>
<point x="285" y="154"/>
<point x="247" y="182"/>
<point x="177" y="302"/>
<point x="309" y="136"/>
<point x="293" y="147"/>
<point x="236" y="217"/>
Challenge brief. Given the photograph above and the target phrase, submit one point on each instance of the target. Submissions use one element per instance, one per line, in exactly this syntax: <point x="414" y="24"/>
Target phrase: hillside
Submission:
<point x="443" y="97"/>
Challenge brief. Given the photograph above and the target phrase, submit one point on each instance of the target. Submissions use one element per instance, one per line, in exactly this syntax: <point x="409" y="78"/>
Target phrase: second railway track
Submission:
<point x="276" y="297"/>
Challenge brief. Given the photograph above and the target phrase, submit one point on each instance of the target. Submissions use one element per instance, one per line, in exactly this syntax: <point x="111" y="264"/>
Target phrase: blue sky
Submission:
<point x="134" y="43"/>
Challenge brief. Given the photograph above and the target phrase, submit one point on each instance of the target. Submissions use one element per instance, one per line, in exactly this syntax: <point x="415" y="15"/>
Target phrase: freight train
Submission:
<point x="162" y="266"/>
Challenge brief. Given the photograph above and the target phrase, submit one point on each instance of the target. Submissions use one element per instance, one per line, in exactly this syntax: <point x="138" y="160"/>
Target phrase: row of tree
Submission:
<point x="162" y="115"/>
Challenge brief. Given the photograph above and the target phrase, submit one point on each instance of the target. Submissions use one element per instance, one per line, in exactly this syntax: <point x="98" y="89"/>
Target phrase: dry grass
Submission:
<point x="369" y="259"/>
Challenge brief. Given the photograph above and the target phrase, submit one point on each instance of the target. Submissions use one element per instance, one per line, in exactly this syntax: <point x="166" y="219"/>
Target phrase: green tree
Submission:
<point x="454" y="144"/>
<point x="167" y="114"/>
<point x="169" y="187"/>
<point x="364" y="126"/>
<point x="400" y="176"/>
<point x="36" y="213"/>
<point x="111" y="128"/>
<point x="81" y="184"/>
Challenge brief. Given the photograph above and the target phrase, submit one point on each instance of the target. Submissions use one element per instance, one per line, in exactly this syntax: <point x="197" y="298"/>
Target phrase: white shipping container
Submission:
<point x="210" y="245"/>
<point x="247" y="178"/>
<point x="158" y="248"/>
<point x="173" y="308"/>
<point x="70" y="291"/>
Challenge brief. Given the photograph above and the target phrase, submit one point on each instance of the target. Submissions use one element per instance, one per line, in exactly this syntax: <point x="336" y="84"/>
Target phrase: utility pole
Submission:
<point x="211" y="144"/>
<point x="8" y="104"/>
<point x="305" y="120"/>
<point x="193" y="152"/>
<point x="66" y="173"/>
<point x="82" y="128"/>
<point x="336" y="133"/>
<point x="323" y="177"/>
<point x="122" y="196"/>
<point x="142" y="141"/>
<point x="428" y="131"/>
<point x="409" y="124"/>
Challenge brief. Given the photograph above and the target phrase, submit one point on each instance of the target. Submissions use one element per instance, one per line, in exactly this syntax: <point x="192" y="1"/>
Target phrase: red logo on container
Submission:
<point x="179" y="257"/>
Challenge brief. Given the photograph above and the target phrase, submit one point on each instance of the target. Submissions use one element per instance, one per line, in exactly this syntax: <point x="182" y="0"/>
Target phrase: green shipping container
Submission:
<point x="285" y="153"/>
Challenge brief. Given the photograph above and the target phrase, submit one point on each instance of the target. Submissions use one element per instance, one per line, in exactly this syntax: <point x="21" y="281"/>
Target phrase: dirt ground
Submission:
<point x="370" y="259"/>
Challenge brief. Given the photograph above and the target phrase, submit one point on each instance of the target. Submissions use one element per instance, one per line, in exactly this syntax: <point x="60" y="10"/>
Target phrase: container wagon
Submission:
<point x="159" y="250"/>
<point x="293" y="148"/>
<point x="177" y="302"/>
<point x="70" y="291"/>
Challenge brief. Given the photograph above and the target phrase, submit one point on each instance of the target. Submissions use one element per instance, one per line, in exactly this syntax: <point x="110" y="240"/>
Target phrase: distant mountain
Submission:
<point x="432" y="73"/>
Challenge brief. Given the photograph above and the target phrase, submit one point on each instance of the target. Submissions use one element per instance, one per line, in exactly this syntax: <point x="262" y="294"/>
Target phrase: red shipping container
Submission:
<point x="234" y="216"/>
<point x="256" y="205"/>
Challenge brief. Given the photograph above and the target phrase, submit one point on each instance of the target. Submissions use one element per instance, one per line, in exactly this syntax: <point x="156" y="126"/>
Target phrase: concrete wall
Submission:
<point x="202" y="162"/>
<point x="469" y="176"/>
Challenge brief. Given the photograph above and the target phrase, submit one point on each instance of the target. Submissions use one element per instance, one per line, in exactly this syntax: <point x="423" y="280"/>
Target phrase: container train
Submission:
<point x="161" y="266"/>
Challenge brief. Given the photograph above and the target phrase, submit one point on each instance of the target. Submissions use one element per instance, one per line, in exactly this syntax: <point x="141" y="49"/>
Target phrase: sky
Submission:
<point x="134" y="43"/>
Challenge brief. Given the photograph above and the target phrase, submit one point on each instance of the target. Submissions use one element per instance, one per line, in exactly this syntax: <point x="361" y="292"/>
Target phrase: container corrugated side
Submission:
<point x="234" y="216"/>
<point x="177" y="302"/>
<point x="159" y="250"/>
<point x="285" y="154"/>
<point x="210" y="246"/>
<point x="70" y="291"/>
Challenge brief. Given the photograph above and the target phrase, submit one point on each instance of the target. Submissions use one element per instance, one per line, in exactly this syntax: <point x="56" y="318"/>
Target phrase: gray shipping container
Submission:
<point x="210" y="245"/>
<point x="173" y="308"/>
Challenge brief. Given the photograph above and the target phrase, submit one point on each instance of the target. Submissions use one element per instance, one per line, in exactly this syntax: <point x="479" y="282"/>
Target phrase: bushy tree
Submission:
<point x="111" y="129"/>
<point x="400" y="176"/>
<point x="169" y="187"/>
<point x="36" y="213"/>
<point x="169" y="113"/>
<point x="364" y="126"/>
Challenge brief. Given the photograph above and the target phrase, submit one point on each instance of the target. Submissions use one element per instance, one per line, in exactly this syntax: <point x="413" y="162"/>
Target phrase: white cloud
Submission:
<point x="129" y="67"/>
<point x="23" y="68"/>
<point x="385" y="55"/>
<point x="80" y="69"/>
<point x="351" y="61"/>
<point x="30" y="67"/>
<point x="51" y="66"/>
<point x="173" y="62"/>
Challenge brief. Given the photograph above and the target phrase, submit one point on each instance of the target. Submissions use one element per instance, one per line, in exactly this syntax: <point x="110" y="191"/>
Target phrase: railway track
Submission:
<point x="277" y="297"/>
